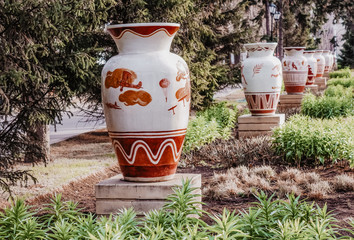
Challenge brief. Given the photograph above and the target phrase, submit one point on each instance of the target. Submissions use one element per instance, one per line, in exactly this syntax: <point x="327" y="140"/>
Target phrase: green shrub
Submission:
<point x="210" y="124"/>
<point x="266" y="219"/>
<point x="345" y="82"/>
<point x="337" y="101"/>
<point x="343" y="73"/>
<point x="305" y="139"/>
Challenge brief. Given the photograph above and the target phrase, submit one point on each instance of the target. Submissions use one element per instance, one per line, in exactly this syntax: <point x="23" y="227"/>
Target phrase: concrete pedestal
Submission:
<point x="252" y="126"/>
<point x="289" y="101"/>
<point x="321" y="82"/>
<point x="311" y="88"/>
<point x="114" y="193"/>
<point x="326" y="75"/>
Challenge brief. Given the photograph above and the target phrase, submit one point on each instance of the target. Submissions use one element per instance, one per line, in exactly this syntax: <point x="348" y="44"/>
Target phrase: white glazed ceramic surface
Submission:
<point x="328" y="61"/>
<point x="261" y="78"/>
<point x="312" y="67"/>
<point x="320" y="63"/>
<point x="295" y="69"/>
<point x="146" y="98"/>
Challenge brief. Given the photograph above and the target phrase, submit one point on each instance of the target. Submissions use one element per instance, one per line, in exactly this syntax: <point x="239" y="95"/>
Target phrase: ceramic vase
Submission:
<point x="146" y="98"/>
<point x="312" y="67"/>
<point x="295" y="69"/>
<point x="261" y="78"/>
<point x="320" y="63"/>
<point x="328" y="61"/>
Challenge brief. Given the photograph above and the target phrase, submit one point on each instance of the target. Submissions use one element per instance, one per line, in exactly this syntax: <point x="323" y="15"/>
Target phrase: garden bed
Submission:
<point x="82" y="190"/>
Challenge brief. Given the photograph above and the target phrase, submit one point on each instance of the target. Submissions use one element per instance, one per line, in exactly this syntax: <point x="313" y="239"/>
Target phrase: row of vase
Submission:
<point x="262" y="74"/>
<point x="146" y="94"/>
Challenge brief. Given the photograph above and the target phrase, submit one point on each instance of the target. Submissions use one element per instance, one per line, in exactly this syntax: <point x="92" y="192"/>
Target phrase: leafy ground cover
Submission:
<point x="267" y="218"/>
<point x="304" y="139"/>
<point x="342" y="73"/>
<point x="337" y="101"/>
<point x="215" y="122"/>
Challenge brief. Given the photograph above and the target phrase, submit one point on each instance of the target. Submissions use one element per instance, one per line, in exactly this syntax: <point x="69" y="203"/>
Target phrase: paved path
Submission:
<point x="73" y="126"/>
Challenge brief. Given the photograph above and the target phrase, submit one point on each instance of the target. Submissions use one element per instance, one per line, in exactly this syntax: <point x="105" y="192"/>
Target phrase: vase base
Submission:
<point x="150" y="179"/>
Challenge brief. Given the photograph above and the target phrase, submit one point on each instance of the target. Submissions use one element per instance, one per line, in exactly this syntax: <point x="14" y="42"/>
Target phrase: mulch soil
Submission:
<point x="83" y="191"/>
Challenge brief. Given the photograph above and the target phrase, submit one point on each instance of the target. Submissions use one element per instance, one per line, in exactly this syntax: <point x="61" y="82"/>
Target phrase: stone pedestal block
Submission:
<point x="311" y="88"/>
<point x="326" y="75"/>
<point x="114" y="193"/>
<point x="289" y="101"/>
<point x="252" y="126"/>
<point x="321" y="82"/>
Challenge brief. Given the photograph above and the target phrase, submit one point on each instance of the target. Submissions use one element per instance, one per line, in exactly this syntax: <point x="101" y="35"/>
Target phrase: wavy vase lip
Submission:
<point x="294" y="48"/>
<point x="249" y="46"/>
<point x="142" y="29"/>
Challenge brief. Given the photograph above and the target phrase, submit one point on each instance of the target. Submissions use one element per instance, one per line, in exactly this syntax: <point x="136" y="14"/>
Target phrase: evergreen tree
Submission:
<point x="44" y="61"/>
<point x="346" y="58"/>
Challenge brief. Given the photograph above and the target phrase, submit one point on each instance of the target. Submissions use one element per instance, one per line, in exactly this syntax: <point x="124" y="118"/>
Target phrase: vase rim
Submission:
<point x="309" y="51"/>
<point x="289" y="48"/>
<point x="260" y="43"/>
<point x="151" y="24"/>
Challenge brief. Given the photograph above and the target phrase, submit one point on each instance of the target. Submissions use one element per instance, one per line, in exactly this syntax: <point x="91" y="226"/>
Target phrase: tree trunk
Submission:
<point x="280" y="44"/>
<point x="267" y="17"/>
<point x="41" y="138"/>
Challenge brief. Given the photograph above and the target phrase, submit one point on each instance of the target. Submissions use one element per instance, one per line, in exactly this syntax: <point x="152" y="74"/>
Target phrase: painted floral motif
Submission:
<point x="277" y="72"/>
<point x="131" y="97"/>
<point x="182" y="72"/>
<point x="243" y="79"/>
<point x="121" y="77"/>
<point x="257" y="69"/>
<point x="114" y="106"/>
<point x="184" y="94"/>
<point x="164" y="83"/>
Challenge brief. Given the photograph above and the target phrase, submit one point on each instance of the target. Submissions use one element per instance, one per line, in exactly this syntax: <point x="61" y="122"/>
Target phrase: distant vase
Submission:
<point x="146" y="99"/>
<point x="328" y="61"/>
<point x="261" y="78"/>
<point x="312" y="67"/>
<point x="320" y="63"/>
<point x="295" y="69"/>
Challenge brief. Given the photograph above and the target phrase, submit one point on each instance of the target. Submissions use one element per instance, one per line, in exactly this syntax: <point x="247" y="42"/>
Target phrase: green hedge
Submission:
<point x="313" y="141"/>
<point x="343" y="73"/>
<point x="345" y="82"/>
<point x="337" y="101"/>
<point x="266" y="219"/>
<point x="210" y="124"/>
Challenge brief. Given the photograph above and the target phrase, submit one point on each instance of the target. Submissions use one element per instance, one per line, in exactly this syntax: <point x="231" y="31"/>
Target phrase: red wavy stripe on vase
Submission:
<point x="143" y="31"/>
<point x="294" y="89"/>
<point x="148" y="156"/>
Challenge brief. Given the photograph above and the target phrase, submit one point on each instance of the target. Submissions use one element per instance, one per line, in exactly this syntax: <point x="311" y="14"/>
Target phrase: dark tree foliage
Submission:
<point x="44" y="61"/>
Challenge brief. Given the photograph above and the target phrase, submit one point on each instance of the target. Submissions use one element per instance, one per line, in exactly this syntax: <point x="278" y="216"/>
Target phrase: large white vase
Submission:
<point x="295" y="69"/>
<point x="312" y="67"/>
<point x="261" y="78"/>
<point x="328" y="61"/>
<point x="320" y="63"/>
<point x="146" y="98"/>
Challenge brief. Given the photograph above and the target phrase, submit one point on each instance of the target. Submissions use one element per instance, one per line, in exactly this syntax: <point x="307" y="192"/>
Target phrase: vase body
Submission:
<point x="261" y="75"/>
<point x="328" y="61"/>
<point x="320" y="63"/>
<point x="146" y="99"/>
<point x="295" y="69"/>
<point x="312" y="67"/>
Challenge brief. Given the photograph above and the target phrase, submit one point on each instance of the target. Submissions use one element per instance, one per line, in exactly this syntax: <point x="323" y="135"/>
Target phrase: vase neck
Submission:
<point x="132" y="39"/>
<point x="294" y="51"/>
<point x="260" y="49"/>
